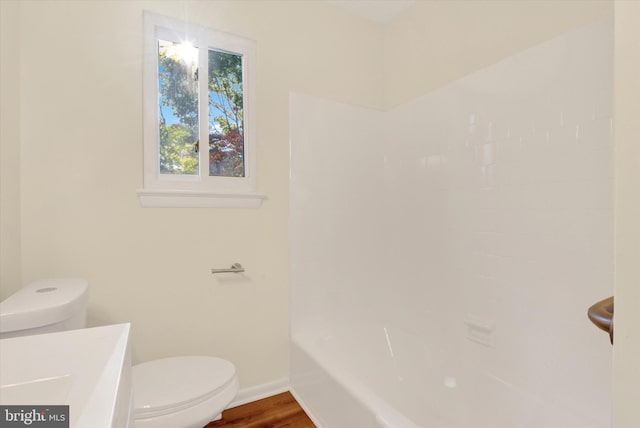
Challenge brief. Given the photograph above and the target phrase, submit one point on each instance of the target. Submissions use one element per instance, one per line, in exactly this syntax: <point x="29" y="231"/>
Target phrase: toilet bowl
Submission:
<point x="171" y="391"/>
<point x="177" y="392"/>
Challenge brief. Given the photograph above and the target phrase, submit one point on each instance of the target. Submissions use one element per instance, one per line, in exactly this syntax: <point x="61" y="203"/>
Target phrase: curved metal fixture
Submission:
<point x="601" y="314"/>
<point x="235" y="268"/>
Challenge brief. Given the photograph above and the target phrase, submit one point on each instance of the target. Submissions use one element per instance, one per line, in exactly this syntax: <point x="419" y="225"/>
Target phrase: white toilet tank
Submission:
<point x="45" y="306"/>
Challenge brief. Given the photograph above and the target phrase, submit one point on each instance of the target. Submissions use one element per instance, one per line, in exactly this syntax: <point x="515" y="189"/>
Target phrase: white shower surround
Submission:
<point x="444" y="253"/>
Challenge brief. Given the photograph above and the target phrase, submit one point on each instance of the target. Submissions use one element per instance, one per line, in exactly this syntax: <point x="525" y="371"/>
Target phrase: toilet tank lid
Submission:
<point x="43" y="302"/>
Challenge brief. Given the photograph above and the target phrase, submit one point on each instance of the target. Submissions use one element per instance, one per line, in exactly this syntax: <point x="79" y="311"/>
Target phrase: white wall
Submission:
<point x="9" y="147"/>
<point x="483" y="205"/>
<point x="435" y="42"/>
<point x="626" y="375"/>
<point x="81" y="142"/>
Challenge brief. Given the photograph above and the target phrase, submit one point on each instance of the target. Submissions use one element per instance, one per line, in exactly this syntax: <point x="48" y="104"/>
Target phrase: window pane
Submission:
<point x="226" y="119"/>
<point x="178" y="107"/>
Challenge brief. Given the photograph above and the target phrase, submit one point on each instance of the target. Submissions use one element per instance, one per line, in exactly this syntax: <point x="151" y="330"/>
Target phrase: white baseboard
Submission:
<point x="258" y="392"/>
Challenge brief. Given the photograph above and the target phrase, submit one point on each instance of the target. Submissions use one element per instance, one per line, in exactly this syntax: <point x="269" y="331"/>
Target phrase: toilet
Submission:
<point x="176" y="392"/>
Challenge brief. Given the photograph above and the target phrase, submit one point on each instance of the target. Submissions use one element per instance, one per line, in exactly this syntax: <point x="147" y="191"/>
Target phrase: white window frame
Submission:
<point x="165" y="190"/>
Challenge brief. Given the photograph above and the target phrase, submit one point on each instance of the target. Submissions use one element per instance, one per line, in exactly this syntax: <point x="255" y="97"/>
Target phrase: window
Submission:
<point x="198" y="117"/>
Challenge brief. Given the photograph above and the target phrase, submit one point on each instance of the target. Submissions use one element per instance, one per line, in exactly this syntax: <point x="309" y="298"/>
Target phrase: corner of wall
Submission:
<point x="626" y="351"/>
<point x="434" y="43"/>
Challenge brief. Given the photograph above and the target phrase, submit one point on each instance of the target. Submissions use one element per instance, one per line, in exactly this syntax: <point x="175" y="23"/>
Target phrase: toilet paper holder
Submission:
<point x="235" y="268"/>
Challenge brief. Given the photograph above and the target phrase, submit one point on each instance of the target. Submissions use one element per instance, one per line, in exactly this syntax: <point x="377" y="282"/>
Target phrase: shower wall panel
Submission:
<point x="445" y="252"/>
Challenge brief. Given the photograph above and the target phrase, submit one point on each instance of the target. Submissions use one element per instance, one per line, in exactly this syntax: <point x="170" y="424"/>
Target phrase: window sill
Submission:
<point x="150" y="198"/>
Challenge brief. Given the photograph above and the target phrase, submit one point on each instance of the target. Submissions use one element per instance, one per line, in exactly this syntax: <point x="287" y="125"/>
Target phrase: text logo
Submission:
<point x="34" y="416"/>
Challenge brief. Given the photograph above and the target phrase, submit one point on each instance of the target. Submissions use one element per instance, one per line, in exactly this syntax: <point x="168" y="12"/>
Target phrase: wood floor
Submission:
<point x="279" y="411"/>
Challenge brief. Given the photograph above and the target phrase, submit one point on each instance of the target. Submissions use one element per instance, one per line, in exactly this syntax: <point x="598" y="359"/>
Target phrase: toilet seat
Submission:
<point x="174" y="386"/>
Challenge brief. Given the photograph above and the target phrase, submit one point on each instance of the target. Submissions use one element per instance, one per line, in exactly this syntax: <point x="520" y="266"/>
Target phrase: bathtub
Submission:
<point x="333" y="396"/>
<point x="394" y="380"/>
<point x="386" y="377"/>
